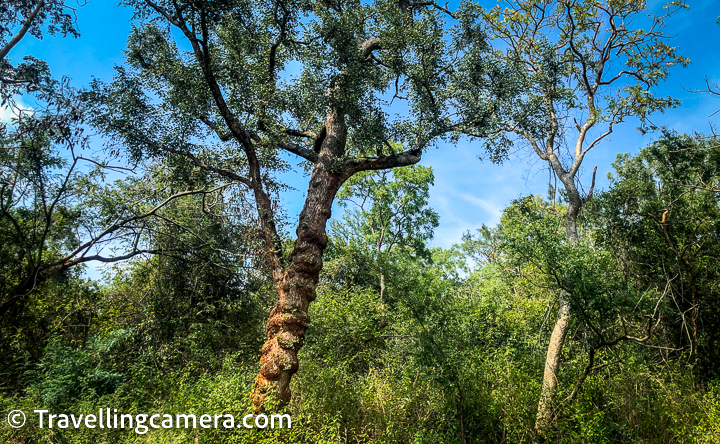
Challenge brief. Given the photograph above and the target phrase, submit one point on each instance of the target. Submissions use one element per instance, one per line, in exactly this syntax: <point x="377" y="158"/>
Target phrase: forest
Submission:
<point x="240" y="220"/>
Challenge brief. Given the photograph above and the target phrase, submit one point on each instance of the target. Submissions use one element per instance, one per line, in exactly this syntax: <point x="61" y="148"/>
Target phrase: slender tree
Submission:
<point x="388" y="211"/>
<point x="571" y="72"/>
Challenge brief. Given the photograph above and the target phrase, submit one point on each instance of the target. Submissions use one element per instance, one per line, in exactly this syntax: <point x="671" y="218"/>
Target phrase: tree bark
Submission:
<point x="552" y="366"/>
<point x="289" y="320"/>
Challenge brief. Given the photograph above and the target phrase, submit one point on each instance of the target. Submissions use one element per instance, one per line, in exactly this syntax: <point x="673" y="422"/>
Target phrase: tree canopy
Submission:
<point x="587" y="315"/>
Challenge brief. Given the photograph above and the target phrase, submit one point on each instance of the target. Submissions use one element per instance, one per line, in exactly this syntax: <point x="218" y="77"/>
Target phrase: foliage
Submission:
<point x="20" y="18"/>
<point x="564" y="74"/>
<point x="660" y="219"/>
<point x="389" y="209"/>
<point x="408" y="343"/>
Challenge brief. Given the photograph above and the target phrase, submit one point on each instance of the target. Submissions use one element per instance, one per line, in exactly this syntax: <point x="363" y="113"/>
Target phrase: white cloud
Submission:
<point x="8" y="112"/>
<point x="5" y="114"/>
<point x="457" y="217"/>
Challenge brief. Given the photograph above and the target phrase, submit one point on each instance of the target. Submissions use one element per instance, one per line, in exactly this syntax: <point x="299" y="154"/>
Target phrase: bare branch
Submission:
<point x="592" y="187"/>
<point x="117" y="225"/>
<point x="358" y="164"/>
<point x="23" y="30"/>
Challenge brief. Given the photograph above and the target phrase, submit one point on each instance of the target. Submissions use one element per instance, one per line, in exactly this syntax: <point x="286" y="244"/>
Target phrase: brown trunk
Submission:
<point x="289" y="320"/>
<point x="562" y="324"/>
<point x="287" y="325"/>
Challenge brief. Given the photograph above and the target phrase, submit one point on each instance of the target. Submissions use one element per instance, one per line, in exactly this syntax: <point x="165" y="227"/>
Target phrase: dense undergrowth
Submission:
<point x="381" y="371"/>
<point x="407" y="344"/>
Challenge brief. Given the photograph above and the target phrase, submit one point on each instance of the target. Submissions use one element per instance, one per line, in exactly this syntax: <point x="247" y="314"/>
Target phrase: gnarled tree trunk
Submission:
<point x="296" y="283"/>
<point x="289" y="319"/>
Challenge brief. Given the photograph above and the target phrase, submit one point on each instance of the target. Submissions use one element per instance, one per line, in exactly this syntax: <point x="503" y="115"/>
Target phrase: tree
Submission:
<point x="22" y="17"/>
<point x="389" y="213"/>
<point x="55" y="213"/>
<point x="246" y="84"/>
<point x="612" y="307"/>
<point x="660" y="218"/>
<point x="569" y="72"/>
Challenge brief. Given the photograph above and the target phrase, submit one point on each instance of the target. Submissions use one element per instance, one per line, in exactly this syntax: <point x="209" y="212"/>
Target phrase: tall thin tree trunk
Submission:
<point x="382" y="288"/>
<point x="552" y="366"/>
<point x="562" y="324"/>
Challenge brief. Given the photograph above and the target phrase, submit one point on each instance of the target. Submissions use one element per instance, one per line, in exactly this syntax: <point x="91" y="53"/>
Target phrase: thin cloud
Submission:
<point x="493" y="210"/>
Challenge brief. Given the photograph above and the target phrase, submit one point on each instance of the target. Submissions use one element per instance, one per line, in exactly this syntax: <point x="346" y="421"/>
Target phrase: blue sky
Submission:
<point x="468" y="192"/>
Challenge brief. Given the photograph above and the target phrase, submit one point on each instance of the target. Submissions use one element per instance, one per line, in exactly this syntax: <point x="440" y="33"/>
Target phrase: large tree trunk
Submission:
<point x="562" y="324"/>
<point x="289" y="319"/>
<point x="296" y="283"/>
<point x="287" y="324"/>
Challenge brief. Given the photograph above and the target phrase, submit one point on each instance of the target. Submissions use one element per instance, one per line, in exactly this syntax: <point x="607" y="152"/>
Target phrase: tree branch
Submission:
<point x="358" y="164"/>
<point x="23" y="30"/>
